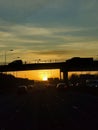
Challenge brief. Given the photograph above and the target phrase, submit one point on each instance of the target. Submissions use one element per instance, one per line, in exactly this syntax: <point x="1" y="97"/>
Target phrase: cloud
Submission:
<point x="50" y="12"/>
<point x="84" y="46"/>
<point x="36" y="36"/>
<point x="30" y="41"/>
<point x="88" y="4"/>
<point x="27" y="30"/>
<point x="49" y="28"/>
<point x="19" y="10"/>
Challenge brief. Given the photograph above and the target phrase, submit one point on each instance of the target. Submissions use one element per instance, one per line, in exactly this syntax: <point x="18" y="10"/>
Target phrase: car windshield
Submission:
<point x="48" y="52"/>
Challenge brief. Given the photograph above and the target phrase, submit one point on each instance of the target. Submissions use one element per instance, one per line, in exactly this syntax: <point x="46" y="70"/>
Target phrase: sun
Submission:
<point x="44" y="78"/>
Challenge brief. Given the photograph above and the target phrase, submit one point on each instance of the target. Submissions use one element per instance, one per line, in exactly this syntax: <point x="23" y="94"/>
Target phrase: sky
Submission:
<point x="37" y="74"/>
<point x="49" y="30"/>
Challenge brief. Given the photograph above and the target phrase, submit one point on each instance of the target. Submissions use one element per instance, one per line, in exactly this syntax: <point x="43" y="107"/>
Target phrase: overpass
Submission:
<point x="73" y="64"/>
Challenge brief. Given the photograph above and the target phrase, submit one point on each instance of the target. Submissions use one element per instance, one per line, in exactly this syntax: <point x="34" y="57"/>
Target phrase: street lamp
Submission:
<point x="6" y="55"/>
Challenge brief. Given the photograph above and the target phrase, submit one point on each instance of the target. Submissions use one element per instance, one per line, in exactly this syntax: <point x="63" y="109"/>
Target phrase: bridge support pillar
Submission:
<point x="60" y="75"/>
<point x="65" y="77"/>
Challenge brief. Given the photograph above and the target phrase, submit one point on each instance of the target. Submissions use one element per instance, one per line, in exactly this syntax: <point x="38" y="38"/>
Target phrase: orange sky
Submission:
<point x="38" y="74"/>
<point x="41" y="74"/>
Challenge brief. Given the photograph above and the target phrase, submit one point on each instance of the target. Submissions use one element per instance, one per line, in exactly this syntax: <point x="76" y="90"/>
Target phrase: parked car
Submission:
<point x="61" y="86"/>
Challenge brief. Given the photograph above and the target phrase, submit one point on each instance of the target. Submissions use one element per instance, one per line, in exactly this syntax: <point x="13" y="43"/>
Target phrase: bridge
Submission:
<point x="73" y="64"/>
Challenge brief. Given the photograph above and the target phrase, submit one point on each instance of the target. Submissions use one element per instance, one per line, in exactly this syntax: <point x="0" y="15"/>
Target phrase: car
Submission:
<point x="22" y="89"/>
<point x="92" y="83"/>
<point x="61" y="86"/>
<point x="30" y="87"/>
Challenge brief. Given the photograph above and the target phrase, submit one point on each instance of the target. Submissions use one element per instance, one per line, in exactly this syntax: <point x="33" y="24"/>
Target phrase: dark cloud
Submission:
<point x="53" y="52"/>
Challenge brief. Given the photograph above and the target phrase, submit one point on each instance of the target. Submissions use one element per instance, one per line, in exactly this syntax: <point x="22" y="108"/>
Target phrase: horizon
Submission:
<point x="44" y="74"/>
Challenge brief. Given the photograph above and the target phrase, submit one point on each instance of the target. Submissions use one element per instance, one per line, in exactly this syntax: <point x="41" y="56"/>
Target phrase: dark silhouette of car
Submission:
<point x="92" y="84"/>
<point x="61" y="86"/>
<point x="22" y="89"/>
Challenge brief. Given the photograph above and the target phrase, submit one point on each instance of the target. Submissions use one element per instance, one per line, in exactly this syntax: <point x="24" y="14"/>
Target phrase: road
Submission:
<point x="49" y="109"/>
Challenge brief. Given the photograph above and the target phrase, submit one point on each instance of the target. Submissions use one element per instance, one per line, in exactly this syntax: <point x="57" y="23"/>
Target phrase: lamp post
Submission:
<point x="6" y="55"/>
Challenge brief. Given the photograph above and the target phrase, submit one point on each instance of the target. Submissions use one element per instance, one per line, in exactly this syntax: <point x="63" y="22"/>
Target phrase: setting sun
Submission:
<point x="45" y="78"/>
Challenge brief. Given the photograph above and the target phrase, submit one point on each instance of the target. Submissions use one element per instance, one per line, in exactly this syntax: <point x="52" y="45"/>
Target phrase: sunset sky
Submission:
<point x="48" y="29"/>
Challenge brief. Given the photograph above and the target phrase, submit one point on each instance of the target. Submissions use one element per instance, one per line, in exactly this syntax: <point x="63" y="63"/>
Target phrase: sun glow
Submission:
<point x="41" y="75"/>
<point x="45" y="78"/>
